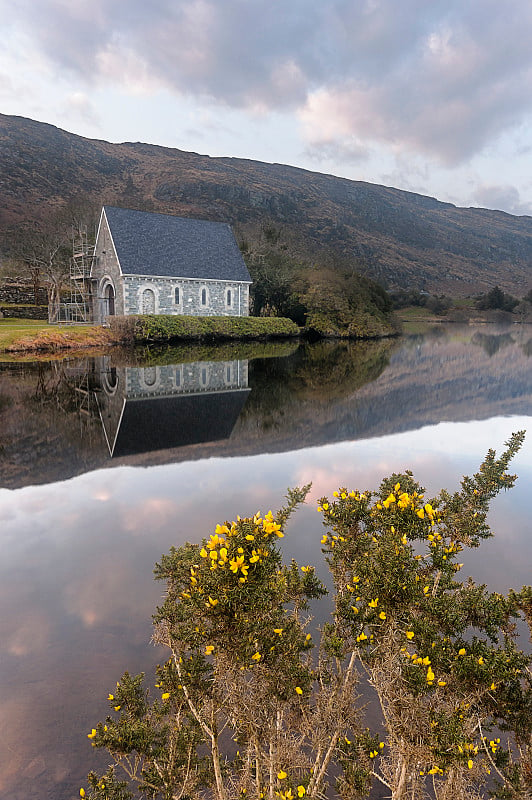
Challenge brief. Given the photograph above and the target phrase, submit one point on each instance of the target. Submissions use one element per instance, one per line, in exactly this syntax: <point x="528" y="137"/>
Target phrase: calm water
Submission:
<point x="109" y="461"/>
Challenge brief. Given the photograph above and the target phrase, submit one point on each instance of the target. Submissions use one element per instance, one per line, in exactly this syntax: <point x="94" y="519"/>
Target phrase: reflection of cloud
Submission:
<point x="149" y="515"/>
<point x="103" y="495"/>
<point x="31" y="634"/>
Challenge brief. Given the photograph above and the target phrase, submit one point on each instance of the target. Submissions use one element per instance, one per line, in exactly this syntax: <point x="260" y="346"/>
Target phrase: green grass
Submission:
<point x="14" y="328"/>
<point x="35" y="334"/>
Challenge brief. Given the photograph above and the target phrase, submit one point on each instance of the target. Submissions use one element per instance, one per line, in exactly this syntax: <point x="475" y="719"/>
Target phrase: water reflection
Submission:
<point x="64" y="418"/>
<point x="76" y="592"/>
<point x="158" y="407"/>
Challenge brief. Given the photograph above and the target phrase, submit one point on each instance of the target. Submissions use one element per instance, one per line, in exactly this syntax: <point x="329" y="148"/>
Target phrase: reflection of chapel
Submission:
<point x="143" y="409"/>
<point x="146" y="263"/>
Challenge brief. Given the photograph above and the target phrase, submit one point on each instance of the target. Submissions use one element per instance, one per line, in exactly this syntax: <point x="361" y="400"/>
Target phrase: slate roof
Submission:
<point x="175" y="247"/>
<point x="161" y="423"/>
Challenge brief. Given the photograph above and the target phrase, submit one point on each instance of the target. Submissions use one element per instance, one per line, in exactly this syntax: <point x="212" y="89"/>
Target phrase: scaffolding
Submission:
<point x="77" y="309"/>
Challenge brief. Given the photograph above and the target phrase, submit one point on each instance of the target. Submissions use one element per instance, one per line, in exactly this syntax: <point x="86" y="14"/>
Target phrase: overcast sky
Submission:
<point x="433" y="96"/>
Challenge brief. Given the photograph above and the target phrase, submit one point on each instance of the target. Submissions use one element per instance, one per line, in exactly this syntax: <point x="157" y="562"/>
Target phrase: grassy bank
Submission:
<point x="30" y="336"/>
<point x="18" y="336"/>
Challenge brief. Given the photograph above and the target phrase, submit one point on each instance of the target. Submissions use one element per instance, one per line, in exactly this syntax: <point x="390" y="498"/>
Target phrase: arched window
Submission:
<point x="177" y="295"/>
<point x="150" y="375"/>
<point x="204" y="296"/>
<point x="148" y="301"/>
<point x="229" y="298"/>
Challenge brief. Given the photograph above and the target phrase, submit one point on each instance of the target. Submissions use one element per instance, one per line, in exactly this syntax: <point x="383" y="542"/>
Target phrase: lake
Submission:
<point x="107" y="461"/>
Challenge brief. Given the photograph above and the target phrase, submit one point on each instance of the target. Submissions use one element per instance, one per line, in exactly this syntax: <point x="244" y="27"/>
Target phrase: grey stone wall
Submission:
<point x="104" y="267"/>
<point x="191" y="378"/>
<point x="22" y="293"/>
<point x="222" y="298"/>
<point x="25" y="312"/>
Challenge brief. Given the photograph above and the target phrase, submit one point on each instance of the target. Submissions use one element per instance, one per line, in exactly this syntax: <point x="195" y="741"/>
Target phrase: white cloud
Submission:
<point x="504" y="197"/>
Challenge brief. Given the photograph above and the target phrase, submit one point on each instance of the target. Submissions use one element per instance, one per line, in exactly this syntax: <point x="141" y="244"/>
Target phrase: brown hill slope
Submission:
<point x="402" y="239"/>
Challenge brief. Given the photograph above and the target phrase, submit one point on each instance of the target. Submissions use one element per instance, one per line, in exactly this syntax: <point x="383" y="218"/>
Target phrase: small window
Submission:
<point x="229" y="298"/>
<point x="204" y="296"/>
<point x="177" y="295"/>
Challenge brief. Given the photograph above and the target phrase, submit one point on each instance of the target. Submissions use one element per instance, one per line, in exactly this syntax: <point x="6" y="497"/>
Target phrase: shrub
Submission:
<point x="244" y="709"/>
<point x="163" y="328"/>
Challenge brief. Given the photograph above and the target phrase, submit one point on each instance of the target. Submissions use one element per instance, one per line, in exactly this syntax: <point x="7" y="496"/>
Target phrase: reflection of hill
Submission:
<point x="319" y="394"/>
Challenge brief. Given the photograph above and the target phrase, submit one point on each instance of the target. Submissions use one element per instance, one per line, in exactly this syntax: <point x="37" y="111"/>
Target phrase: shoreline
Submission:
<point x="159" y="330"/>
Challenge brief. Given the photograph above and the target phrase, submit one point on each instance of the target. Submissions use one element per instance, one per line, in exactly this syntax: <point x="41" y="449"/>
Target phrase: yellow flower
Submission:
<point x="212" y="602"/>
<point x="215" y="541"/>
<point x="481" y="661"/>
<point x="373" y="603"/>
<point x="354" y="609"/>
<point x="493" y="686"/>
<point x="470" y="764"/>
<point x="111" y="697"/>
<point x="165" y="696"/>
<point x="299" y="690"/>
<point x="409" y="634"/>
<point x="306" y="569"/>
<point x="256" y="657"/>
<point x="442" y="683"/>
<point x="282" y="775"/>
<point x="382" y="615"/>
<point x="278" y="630"/>
<point x="362" y="637"/>
<point x="462" y="651"/>
<point x="301" y="791"/>
<point x="430" y="675"/>
<point x="426" y="661"/>
<point x="117" y="708"/>
<point x="92" y="734"/>
<point x="220" y="529"/>
<point x="209" y="649"/>
<point x="82" y="792"/>
<point x="236" y="563"/>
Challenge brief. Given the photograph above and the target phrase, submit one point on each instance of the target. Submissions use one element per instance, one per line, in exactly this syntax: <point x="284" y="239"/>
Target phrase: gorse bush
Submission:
<point x="248" y="704"/>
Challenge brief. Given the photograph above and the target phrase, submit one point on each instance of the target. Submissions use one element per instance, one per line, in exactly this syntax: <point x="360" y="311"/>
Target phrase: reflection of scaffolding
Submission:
<point x="78" y="307"/>
<point x="80" y="379"/>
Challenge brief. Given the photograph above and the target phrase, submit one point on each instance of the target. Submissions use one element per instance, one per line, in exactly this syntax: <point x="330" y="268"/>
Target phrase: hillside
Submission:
<point x="401" y="239"/>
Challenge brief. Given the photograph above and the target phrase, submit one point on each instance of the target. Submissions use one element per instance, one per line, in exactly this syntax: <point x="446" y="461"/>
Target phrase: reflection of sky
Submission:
<point x="76" y="592"/>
